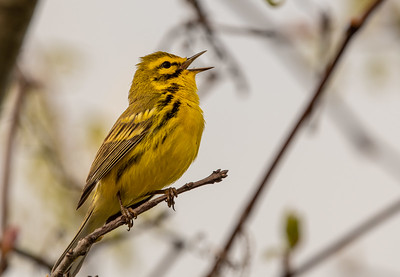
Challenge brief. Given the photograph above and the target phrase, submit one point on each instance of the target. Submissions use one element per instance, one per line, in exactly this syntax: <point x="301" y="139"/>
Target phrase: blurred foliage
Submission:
<point x="275" y="3"/>
<point x="292" y="230"/>
<point x="95" y="133"/>
<point x="47" y="178"/>
<point x="356" y="7"/>
<point x="292" y="235"/>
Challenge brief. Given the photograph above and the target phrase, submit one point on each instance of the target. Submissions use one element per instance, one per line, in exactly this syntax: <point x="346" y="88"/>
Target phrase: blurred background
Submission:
<point x="76" y="65"/>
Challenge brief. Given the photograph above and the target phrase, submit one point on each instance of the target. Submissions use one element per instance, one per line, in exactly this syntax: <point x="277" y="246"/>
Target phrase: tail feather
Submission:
<point x="86" y="228"/>
<point x="97" y="215"/>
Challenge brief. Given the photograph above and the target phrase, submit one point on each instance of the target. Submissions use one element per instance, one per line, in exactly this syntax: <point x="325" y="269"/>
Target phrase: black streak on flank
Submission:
<point x="172" y="113"/>
<point x="155" y="146"/>
<point x="163" y="139"/>
<point x="165" y="101"/>
<point x="132" y="160"/>
<point x="162" y="142"/>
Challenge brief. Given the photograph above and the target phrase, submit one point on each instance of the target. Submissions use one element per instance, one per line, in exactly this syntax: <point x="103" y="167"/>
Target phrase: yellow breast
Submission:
<point x="159" y="160"/>
<point x="167" y="124"/>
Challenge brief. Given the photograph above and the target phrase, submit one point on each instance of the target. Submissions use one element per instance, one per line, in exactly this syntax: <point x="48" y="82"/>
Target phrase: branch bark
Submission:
<point x="15" y="16"/>
<point x="84" y="244"/>
<point x="354" y="27"/>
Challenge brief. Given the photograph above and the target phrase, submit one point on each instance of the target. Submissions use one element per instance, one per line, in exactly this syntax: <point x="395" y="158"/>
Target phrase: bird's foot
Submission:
<point x="127" y="213"/>
<point x="171" y="193"/>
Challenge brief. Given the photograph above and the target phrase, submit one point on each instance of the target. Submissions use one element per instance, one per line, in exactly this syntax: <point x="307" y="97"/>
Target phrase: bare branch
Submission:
<point x="219" y="47"/>
<point x="23" y="85"/>
<point x="354" y="27"/>
<point x="85" y="243"/>
<point x="15" y="16"/>
<point x="32" y="257"/>
<point x="247" y="31"/>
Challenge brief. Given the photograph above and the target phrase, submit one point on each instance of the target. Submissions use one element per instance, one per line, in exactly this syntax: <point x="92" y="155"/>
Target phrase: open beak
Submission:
<point x="188" y="61"/>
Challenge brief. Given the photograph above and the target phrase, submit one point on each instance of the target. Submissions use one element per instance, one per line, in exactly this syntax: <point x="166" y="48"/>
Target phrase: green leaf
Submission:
<point x="275" y="3"/>
<point x="293" y="230"/>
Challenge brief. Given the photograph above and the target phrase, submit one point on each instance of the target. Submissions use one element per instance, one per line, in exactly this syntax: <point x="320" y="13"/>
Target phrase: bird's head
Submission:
<point x="159" y="70"/>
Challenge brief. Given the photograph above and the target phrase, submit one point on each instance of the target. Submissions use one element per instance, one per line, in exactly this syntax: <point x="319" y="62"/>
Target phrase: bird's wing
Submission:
<point x="126" y="133"/>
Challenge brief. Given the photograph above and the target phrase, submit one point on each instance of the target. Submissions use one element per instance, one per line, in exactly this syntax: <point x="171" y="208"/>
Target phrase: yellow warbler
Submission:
<point x="150" y="146"/>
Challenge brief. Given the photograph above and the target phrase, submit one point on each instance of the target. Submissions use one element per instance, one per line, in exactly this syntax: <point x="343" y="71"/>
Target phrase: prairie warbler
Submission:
<point x="150" y="146"/>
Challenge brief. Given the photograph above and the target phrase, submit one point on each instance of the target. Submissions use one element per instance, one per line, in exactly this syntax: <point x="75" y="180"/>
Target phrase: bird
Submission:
<point x="149" y="147"/>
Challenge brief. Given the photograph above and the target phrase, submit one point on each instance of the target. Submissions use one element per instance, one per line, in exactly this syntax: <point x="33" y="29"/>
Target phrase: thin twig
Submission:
<point x="85" y="243"/>
<point x="32" y="257"/>
<point x="355" y="26"/>
<point x="356" y="233"/>
<point x="23" y="85"/>
<point x="246" y="31"/>
<point x="219" y="47"/>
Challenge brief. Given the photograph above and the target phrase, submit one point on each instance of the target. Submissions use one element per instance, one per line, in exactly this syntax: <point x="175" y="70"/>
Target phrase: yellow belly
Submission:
<point x="156" y="162"/>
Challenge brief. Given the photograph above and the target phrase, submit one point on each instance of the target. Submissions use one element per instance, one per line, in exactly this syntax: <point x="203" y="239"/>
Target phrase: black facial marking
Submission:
<point x="166" y="65"/>
<point x="174" y="87"/>
<point x="173" y="75"/>
<point x="166" y="77"/>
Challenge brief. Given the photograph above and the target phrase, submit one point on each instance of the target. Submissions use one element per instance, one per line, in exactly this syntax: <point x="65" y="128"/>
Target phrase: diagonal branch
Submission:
<point x="84" y="244"/>
<point x="355" y="26"/>
<point x="349" y="123"/>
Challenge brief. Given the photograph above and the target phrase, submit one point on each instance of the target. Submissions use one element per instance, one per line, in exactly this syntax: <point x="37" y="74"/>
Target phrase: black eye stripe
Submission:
<point x="168" y="64"/>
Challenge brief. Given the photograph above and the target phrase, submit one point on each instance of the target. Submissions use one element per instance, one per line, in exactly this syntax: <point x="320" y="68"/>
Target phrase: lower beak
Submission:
<point x="188" y="61"/>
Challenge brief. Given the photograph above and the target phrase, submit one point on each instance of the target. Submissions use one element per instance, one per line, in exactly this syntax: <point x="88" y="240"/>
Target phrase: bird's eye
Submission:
<point x="166" y="65"/>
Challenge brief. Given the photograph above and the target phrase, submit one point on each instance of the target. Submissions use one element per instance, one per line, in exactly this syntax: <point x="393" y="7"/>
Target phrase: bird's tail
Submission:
<point x="88" y="226"/>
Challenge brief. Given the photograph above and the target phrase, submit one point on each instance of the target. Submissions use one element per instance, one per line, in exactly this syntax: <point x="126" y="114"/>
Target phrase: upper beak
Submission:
<point x="188" y="61"/>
